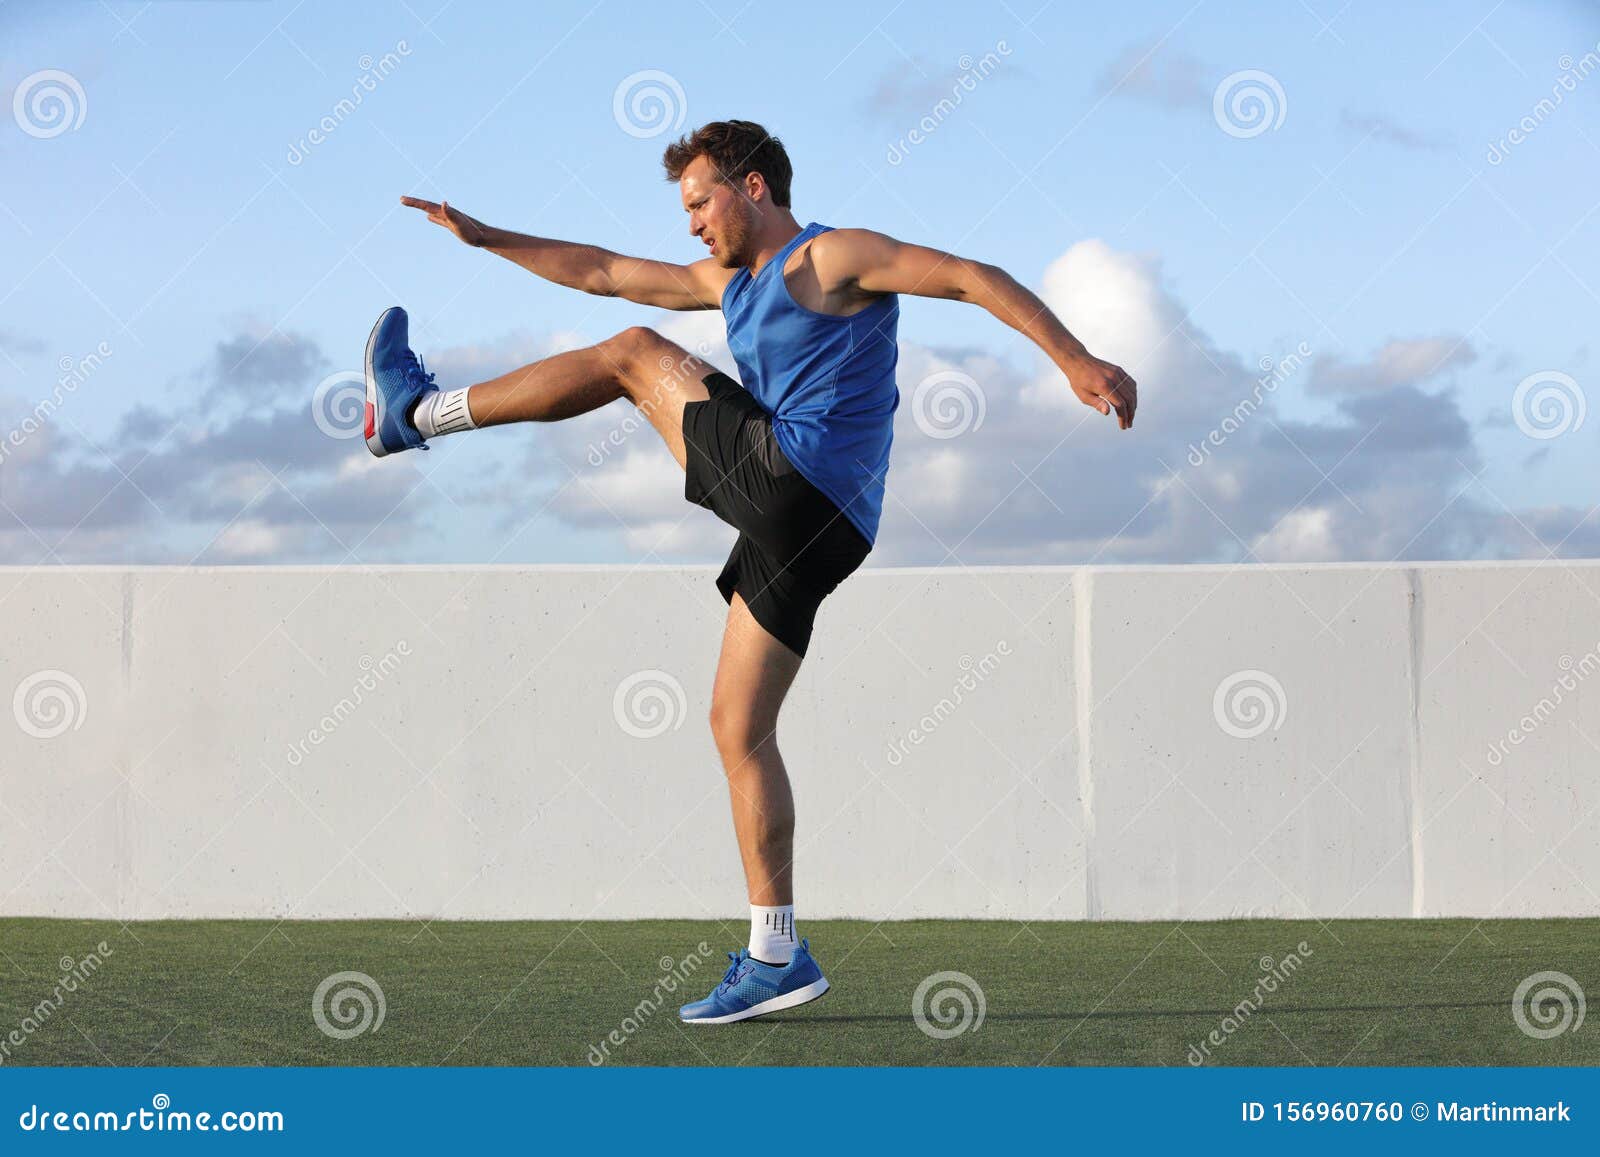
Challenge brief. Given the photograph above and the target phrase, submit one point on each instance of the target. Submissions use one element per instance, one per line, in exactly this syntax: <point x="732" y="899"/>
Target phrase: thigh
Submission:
<point x="754" y="672"/>
<point x="660" y="378"/>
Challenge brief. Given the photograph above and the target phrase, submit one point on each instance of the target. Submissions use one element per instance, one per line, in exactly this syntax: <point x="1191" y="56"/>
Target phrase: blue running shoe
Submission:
<point x="395" y="380"/>
<point x="750" y="988"/>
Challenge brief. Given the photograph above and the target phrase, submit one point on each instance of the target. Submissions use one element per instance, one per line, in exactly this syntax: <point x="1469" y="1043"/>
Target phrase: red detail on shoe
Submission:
<point x="372" y="419"/>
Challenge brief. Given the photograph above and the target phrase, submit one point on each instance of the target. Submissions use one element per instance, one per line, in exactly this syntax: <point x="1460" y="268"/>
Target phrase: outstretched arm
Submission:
<point x="588" y="267"/>
<point x="868" y="263"/>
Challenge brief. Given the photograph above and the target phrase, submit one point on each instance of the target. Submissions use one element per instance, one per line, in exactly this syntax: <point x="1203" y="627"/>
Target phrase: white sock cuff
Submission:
<point x="772" y="935"/>
<point x="444" y="412"/>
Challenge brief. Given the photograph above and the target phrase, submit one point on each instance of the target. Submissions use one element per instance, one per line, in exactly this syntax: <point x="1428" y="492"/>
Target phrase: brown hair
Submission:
<point x="734" y="149"/>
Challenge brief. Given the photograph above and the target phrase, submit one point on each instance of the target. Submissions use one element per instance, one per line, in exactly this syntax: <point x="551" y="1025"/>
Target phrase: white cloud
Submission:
<point x="251" y="540"/>
<point x="1216" y="467"/>
<point x="1116" y="305"/>
<point x="1044" y="479"/>
<point x="1304" y="535"/>
<point x="1398" y="362"/>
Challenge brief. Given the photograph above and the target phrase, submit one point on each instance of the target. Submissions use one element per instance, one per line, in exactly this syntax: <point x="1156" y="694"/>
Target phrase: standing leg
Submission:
<point x="776" y="973"/>
<point x="754" y="674"/>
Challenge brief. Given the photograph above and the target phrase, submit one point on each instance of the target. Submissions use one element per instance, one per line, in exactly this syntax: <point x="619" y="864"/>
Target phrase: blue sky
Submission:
<point x="230" y="266"/>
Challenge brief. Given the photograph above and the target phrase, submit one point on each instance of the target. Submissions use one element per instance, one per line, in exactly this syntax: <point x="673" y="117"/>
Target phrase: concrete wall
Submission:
<point x="1047" y="743"/>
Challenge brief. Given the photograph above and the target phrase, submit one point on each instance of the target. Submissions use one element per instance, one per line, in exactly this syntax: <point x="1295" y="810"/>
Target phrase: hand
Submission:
<point x="470" y="230"/>
<point x="1105" y="387"/>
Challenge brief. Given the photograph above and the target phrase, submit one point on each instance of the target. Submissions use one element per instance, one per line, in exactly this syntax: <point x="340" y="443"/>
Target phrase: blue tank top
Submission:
<point x="827" y="381"/>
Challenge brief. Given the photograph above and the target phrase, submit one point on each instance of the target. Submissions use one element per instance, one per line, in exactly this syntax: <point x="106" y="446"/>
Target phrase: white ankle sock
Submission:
<point x="442" y="412"/>
<point x="772" y="933"/>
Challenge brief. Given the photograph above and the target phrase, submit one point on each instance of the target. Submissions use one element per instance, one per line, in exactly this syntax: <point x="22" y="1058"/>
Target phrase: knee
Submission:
<point x="633" y="346"/>
<point x="737" y="730"/>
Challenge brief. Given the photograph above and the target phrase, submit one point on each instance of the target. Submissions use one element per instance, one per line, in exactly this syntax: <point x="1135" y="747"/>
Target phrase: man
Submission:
<point x="794" y="458"/>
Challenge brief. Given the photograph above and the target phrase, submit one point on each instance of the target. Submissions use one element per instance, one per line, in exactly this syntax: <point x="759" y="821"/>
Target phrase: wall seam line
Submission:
<point x="1414" y="778"/>
<point x="124" y="806"/>
<point x="1083" y="692"/>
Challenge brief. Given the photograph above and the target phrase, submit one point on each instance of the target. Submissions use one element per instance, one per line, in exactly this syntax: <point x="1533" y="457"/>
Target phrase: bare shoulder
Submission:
<point x="840" y="255"/>
<point x="845" y="244"/>
<point x="712" y="278"/>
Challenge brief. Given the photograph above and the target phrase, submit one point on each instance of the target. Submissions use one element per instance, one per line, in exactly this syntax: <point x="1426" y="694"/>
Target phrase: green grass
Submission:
<point x="543" y="993"/>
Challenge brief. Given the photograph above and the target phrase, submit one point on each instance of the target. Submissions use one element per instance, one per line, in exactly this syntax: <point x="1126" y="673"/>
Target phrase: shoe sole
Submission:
<point x="788" y="1000"/>
<point x="374" y="409"/>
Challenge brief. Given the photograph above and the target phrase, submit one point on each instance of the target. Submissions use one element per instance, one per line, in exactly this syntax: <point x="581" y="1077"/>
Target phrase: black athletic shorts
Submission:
<point x="794" y="544"/>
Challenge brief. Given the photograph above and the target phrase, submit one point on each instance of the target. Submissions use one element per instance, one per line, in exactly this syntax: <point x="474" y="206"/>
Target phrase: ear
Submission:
<point x="755" y="187"/>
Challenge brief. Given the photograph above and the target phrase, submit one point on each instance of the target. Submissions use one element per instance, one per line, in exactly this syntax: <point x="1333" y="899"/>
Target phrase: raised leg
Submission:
<point x="657" y="375"/>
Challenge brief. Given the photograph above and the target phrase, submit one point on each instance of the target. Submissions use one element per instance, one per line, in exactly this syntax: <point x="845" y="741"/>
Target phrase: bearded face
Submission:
<point x="734" y="247"/>
<point x="721" y="215"/>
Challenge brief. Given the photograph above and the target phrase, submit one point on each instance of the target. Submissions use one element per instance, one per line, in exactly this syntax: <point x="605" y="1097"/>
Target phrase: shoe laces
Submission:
<point x="415" y="372"/>
<point x="730" y="977"/>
